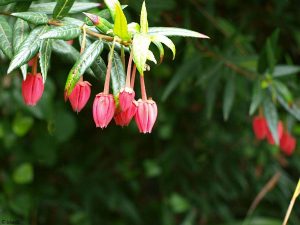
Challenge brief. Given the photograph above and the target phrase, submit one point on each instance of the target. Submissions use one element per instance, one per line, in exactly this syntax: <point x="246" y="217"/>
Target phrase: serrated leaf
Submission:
<point x="140" y="46"/>
<point x="45" y="55"/>
<point x="83" y="63"/>
<point x="67" y="32"/>
<point x="257" y="97"/>
<point x="151" y="57"/>
<point x="62" y="8"/>
<point x="143" y="19"/>
<point x="117" y="74"/>
<point x="229" y="94"/>
<point x="36" y="18"/>
<point x="77" y="7"/>
<point x="271" y="115"/>
<point x="28" y="49"/>
<point x="161" y="50"/>
<point x="120" y="25"/>
<point x="166" y="41"/>
<point x="5" y="38"/>
<point x="285" y="70"/>
<point x="174" y="31"/>
<point x="111" y="5"/>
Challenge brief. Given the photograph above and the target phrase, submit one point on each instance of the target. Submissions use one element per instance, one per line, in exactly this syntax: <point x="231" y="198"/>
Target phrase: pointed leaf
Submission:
<point x="117" y="74"/>
<point x="83" y="63"/>
<point x="174" y="31"/>
<point x="67" y="32"/>
<point x="292" y="109"/>
<point x="111" y="5"/>
<point x="161" y="50"/>
<point x="5" y="38"/>
<point x="285" y="70"/>
<point x="270" y="113"/>
<point x="62" y="8"/>
<point x="28" y="49"/>
<point x="140" y="46"/>
<point x="36" y="18"/>
<point x="77" y="7"/>
<point x="165" y="40"/>
<point x="257" y="97"/>
<point x="283" y="90"/>
<point x="45" y="55"/>
<point x="271" y="57"/>
<point x="151" y="57"/>
<point x="229" y="94"/>
<point x="120" y="26"/>
<point x="144" y="20"/>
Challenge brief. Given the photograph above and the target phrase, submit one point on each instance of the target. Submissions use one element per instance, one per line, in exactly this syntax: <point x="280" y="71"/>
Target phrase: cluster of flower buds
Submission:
<point x="287" y="142"/>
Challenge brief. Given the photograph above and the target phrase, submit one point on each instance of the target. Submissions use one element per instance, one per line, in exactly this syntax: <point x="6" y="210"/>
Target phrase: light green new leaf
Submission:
<point x="83" y="63"/>
<point x="257" y="97"/>
<point x="28" y="49"/>
<point x="174" y="31"/>
<point x="67" y="32"/>
<point x="111" y="5"/>
<point x="117" y="74"/>
<point x="161" y="50"/>
<point x="229" y="94"/>
<point x="165" y="40"/>
<point x="144" y="20"/>
<point x="140" y="46"/>
<point x="271" y="115"/>
<point x="62" y="8"/>
<point x="151" y="57"/>
<point x="5" y="38"/>
<point x="36" y="18"/>
<point x="120" y="26"/>
<point x="45" y="55"/>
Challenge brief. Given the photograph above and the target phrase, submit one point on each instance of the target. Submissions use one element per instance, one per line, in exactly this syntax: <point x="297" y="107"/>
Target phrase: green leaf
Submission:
<point x="270" y="113"/>
<point x="45" y="55"/>
<point x="144" y="20"/>
<point x="22" y="6"/>
<point x="229" y="94"/>
<point x="20" y="33"/>
<point x="174" y="31"/>
<point x="117" y="74"/>
<point x="257" y="97"/>
<point x="111" y="5"/>
<point x="140" y="46"/>
<point x="67" y="52"/>
<point x="120" y="26"/>
<point x="282" y="89"/>
<point x="6" y="2"/>
<point x="165" y="40"/>
<point x="28" y="49"/>
<point x="77" y="7"/>
<point x="36" y="18"/>
<point x="294" y="110"/>
<point x="67" y="32"/>
<point x="161" y="50"/>
<point x="22" y="124"/>
<point x="62" y="8"/>
<point x="5" y="38"/>
<point x="271" y="57"/>
<point x="285" y="70"/>
<point x="23" y="174"/>
<point x="83" y="63"/>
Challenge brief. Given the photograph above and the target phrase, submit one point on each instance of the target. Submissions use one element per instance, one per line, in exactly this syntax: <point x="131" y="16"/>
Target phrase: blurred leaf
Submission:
<point x="283" y="90"/>
<point x="67" y="32"/>
<point x="178" y="203"/>
<point x="36" y="18"/>
<point x="6" y="2"/>
<point x="117" y="74"/>
<point x="120" y="26"/>
<point x="152" y="168"/>
<point x="23" y="174"/>
<point x="62" y="8"/>
<point x="190" y="219"/>
<point x="285" y="70"/>
<point x="140" y="46"/>
<point x="173" y="31"/>
<point x="64" y="125"/>
<point x="5" y="37"/>
<point x="229" y="94"/>
<point x="45" y="55"/>
<point x="271" y="57"/>
<point x="22" y="124"/>
<point x="270" y="113"/>
<point x="292" y="109"/>
<point x="257" y="97"/>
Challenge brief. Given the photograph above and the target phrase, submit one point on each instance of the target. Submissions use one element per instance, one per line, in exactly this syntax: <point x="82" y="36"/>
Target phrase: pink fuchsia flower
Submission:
<point x="124" y="117"/>
<point x="126" y="97"/>
<point x="80" y="95"/>
<point x="32" y="89"/>
<point x="279" y="132"/>
<point x="260" y="127"/>
<point x="287" y="143"/>
<point x="103" y="109"/>
<point x="146" y="115"/>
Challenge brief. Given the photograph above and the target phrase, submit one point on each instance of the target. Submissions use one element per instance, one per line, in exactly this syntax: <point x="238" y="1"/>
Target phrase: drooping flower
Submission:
<point x="123" y="118"/>
<point x="146" y="115"/>
<point x="80" y="95"/>
<point x="287" y="143"/>
<point x="103" y="109"/>
<point x="126" y="97"/>
<point x="32" y="89"/>
<point x="260" y="127"/>
<point x="279" y="132"/>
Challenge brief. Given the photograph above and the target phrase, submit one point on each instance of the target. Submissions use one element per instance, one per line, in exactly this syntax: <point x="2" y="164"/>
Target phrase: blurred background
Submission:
<point x="201" y="165"/>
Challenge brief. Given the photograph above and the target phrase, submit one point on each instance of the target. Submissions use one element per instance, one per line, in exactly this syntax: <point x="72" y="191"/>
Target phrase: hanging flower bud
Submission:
<point x="260" y="127"/>
<point x="279" y="132"/>
<point x="126" y="97"/>
<point x="146" y="115"/>
<point x="32" y="89"/>
<point x="124" y="117"/>
<point x="287" y="143"/>
<point x="103" y="109"/>
<point x="80" y="95"/>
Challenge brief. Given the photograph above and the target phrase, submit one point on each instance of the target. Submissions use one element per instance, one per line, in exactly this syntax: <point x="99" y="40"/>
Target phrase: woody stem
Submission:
<point x="129" y="70"/>
<point x="108" y="71"/>
<point x="133" y="76"/>
<point x="143" y="88"/>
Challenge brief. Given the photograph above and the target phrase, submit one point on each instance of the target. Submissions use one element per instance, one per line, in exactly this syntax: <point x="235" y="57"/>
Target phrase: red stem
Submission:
<point x="129" y="70"/>
<point x="133" y="76"/>
<point x="108" y="71"/>
<point x="143" y="88"/>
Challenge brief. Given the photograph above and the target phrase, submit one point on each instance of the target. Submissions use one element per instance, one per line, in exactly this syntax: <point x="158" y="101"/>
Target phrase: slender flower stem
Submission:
<point x="133" y="76"/>
<point x="34" y="66"/>
<point x="143" y="88"/>
<point x="108" y="71"/>
<point x="129" y="70"/>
